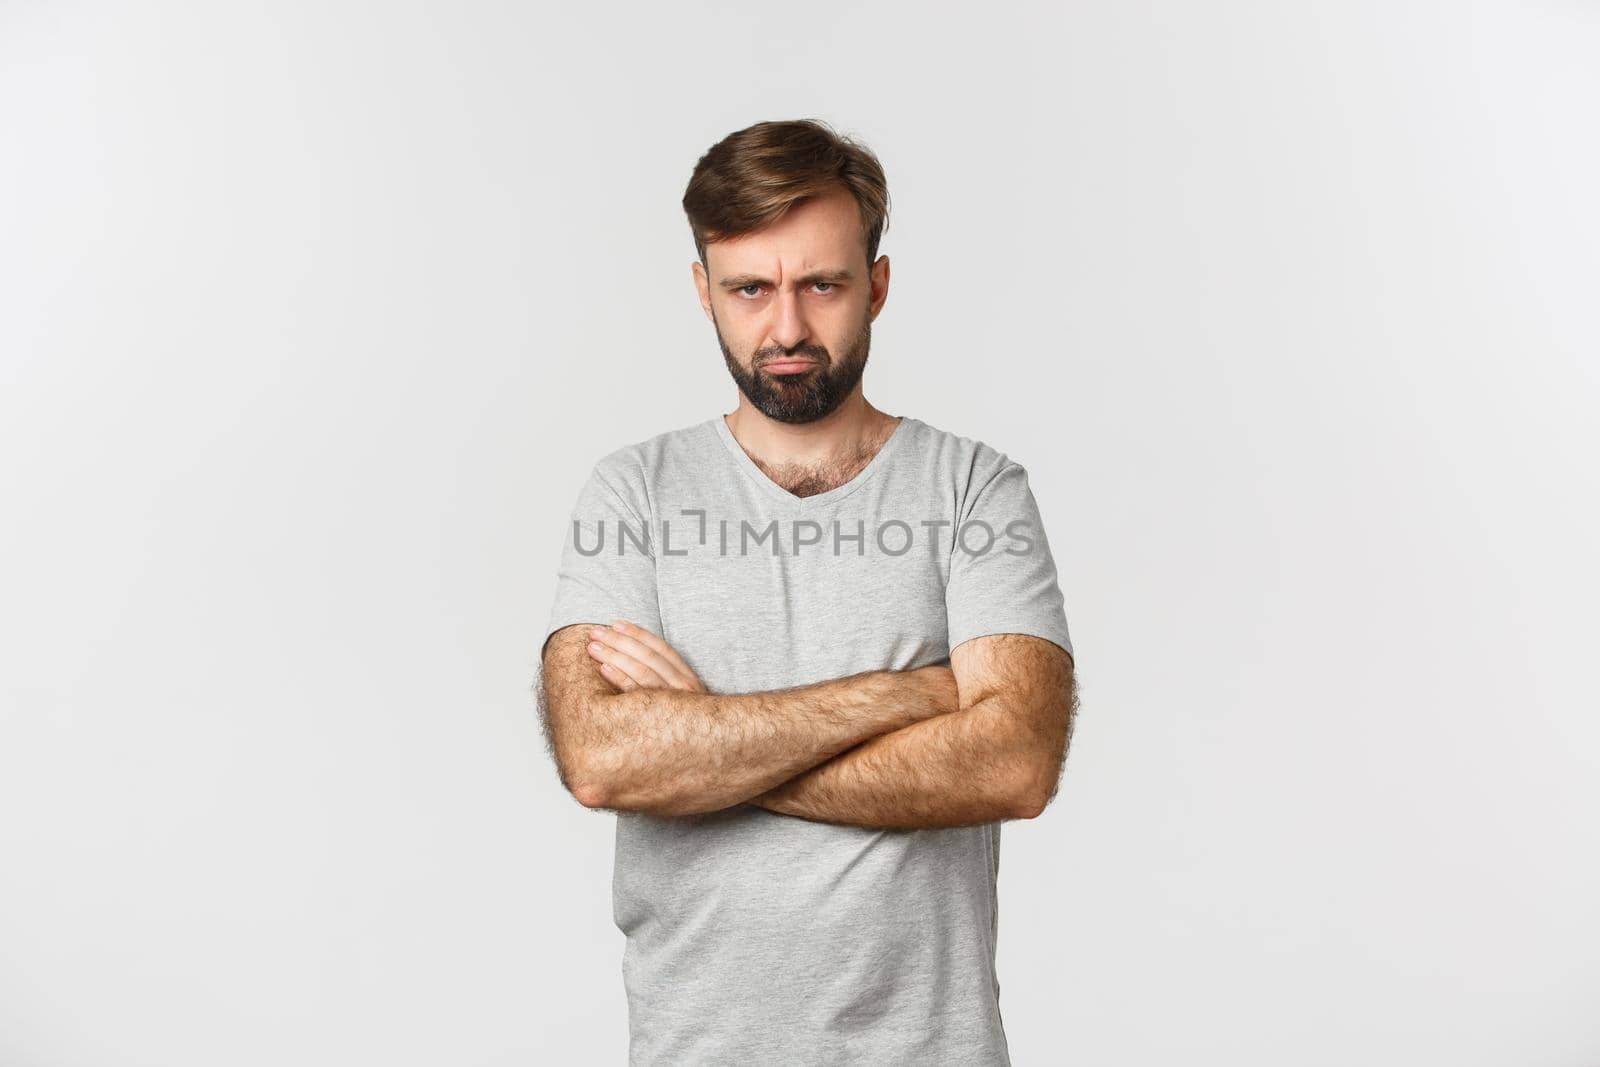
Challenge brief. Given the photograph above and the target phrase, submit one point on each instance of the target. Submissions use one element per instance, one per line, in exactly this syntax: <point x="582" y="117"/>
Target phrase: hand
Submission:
<point x="631" y="657"/>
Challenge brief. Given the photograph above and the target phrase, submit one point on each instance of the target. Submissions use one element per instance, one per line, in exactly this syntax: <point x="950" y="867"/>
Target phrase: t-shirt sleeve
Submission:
<point x="1011" y="587"/>
<point x="608" y="567"/>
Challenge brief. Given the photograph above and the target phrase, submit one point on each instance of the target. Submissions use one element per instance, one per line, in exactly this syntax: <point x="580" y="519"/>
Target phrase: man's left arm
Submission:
<point x="998" y="757"/>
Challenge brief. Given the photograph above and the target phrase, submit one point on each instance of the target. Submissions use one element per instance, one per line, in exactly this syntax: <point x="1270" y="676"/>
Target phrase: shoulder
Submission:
<point x="632" y="469"/>
<point x="964" y="460"/>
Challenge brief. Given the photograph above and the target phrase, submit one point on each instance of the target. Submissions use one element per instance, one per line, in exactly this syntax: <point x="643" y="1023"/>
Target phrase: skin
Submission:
<point x="677" y="750"/>
<point x="764" y="298"/>
<point x="633" y="727"/>
<point x="997" y="755"/>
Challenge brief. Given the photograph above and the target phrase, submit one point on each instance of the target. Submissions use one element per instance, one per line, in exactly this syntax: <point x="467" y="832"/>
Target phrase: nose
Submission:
<point x="788" y="325"/>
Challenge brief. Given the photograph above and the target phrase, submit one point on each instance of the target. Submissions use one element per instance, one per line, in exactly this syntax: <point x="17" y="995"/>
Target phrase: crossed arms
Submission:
<point x="633" y="729"/>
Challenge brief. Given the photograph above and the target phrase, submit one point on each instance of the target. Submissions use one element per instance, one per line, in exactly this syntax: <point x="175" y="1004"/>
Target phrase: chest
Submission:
<point x="771" y="602"/>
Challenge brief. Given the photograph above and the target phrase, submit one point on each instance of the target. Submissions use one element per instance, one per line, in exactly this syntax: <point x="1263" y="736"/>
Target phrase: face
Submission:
<point x="793" y="306"/>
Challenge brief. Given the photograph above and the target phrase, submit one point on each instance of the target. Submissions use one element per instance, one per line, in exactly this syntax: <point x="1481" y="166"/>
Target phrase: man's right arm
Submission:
<point x="673" y="752"/>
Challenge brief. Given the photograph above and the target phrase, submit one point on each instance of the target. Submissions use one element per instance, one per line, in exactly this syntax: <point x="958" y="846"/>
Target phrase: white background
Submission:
<point x="314" y="316"/>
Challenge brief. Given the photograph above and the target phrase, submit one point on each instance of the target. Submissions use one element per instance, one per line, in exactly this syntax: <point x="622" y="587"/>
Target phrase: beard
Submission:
<point x="809" y="395"/>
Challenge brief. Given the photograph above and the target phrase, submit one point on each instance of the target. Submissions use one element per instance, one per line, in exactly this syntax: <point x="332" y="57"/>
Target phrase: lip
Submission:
<point x="788" y="366"/>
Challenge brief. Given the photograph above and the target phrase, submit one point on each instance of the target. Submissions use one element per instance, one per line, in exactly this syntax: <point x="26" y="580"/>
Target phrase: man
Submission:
<point x="840" y="660"/>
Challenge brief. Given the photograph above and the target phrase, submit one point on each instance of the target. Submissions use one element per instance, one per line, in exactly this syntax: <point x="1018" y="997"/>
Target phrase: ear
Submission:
<point x="702" y="285"/>
<point x="879" y="278"/>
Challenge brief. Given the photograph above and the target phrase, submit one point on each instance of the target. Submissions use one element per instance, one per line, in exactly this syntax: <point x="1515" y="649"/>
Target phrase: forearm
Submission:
<point x="959" y="769"/>
<point x="674" y="752"/>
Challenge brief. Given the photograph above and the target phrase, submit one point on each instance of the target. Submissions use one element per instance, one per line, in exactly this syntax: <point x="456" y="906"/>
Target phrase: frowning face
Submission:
<point x="793" y="306"/>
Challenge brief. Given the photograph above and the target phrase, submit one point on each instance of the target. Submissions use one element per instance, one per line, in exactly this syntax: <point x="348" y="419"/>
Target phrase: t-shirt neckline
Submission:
<point x="772" y="489"/>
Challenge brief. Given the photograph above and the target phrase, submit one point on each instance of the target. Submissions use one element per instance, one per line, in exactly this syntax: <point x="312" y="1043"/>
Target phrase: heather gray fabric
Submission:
<point x="755" y="938"/>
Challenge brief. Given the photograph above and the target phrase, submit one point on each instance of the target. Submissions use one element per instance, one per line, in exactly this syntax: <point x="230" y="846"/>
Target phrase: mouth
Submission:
<point x="788" y="366"/>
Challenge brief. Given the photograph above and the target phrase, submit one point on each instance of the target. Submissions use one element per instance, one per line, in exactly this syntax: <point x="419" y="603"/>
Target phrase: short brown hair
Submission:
<point x="750" y="178"/>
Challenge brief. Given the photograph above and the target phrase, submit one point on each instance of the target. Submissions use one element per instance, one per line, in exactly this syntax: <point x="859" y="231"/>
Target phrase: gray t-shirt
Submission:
<point x="758" y="938"/>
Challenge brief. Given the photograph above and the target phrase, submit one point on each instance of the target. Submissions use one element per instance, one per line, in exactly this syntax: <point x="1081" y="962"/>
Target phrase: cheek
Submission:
<point x="740" y="331"/>
<point x="844" y="328"/>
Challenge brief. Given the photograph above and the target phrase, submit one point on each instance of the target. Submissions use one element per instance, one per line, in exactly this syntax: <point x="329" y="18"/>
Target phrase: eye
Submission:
<point x="829" y="284"/>
<point x="742" y="288"/>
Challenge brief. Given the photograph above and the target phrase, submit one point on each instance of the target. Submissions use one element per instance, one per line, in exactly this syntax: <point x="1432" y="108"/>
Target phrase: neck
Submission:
<point x="853" y="429"/>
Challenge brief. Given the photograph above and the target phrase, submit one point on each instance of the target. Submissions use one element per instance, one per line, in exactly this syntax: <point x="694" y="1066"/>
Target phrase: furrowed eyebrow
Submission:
<point x="835" y="277"/>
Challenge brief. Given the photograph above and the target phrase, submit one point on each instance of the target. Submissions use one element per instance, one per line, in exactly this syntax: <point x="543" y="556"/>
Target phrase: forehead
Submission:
<point x="823" y="232"/>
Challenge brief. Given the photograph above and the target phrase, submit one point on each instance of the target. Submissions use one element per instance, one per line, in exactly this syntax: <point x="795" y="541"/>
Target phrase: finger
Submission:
<point x="598" y="654"/>
<point x="617" y="678"/>
<point x="610" y="671"/>
<point x="669" y="655"/>
<point x="654" y="679"/>
<point x="618" y="645"/>
<point x="641" y="673"/>
<point x="632" y="667"/>
<point x="648" y="654"/>
<point x="647" y="648"/>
